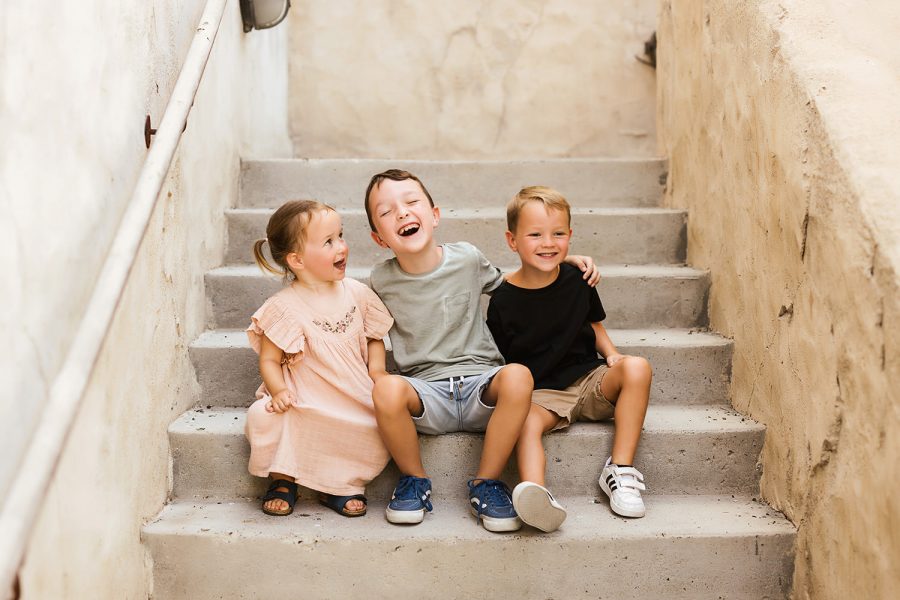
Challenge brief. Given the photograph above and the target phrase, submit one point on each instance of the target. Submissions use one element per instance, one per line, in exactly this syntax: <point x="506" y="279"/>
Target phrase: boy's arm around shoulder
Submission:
<point x="604" y="345"/>
<point x="586" y="265"/>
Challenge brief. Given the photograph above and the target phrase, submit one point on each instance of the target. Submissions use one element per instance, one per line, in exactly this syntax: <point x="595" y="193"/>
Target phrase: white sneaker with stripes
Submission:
<point x="623" y="485"/>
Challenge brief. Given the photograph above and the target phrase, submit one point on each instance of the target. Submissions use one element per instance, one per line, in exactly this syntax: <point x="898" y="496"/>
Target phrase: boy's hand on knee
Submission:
<point x="612" y="359"/>
<point x="280" y="402"/>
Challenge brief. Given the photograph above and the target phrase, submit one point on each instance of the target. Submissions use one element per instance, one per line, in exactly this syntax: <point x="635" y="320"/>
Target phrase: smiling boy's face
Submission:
<point x="541" y="238"/>
<point x="403" y="216"/>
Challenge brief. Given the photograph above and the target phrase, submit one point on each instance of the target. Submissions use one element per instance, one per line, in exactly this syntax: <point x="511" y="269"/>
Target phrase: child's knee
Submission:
<point x="514" y="385"/>
<point x="636" y="369"/>
<point x="516" y="376"/>
<point x="389" y="394"/>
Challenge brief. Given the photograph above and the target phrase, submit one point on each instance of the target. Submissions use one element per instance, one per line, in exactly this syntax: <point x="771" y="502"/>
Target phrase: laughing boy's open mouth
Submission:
<point x="408" y="230"/>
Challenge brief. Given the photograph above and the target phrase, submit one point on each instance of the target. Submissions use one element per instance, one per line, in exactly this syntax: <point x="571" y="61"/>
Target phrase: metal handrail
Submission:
<point x="24" y="501"/>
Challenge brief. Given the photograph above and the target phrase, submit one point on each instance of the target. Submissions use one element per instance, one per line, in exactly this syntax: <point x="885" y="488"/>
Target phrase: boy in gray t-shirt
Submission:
<point x="452" y="376"/>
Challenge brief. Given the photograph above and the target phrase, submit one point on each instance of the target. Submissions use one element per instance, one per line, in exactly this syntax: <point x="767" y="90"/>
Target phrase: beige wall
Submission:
<point x="780" y="121"/>
<point x="471" y="79"/>
<point x="77" y="81"/>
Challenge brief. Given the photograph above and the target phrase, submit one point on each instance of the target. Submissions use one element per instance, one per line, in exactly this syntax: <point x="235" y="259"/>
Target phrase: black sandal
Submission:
<point x="339" y="504"/>
<point x="290" y="496"/>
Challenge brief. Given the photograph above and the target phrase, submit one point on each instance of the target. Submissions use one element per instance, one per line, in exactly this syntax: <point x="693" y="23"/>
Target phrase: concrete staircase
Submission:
<point x="705" y="534"/>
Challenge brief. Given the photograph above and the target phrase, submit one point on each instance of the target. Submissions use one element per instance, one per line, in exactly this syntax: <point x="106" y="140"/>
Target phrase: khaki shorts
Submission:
<point x="581" y="401"/>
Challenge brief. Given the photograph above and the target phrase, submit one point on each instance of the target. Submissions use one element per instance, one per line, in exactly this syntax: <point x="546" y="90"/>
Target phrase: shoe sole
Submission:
<point x="497" y="525"/>
<point x="404" y="517"/>
<point x="619" y="510"/>
<point x="536" y="507"/>
<point x="273" y="513"/>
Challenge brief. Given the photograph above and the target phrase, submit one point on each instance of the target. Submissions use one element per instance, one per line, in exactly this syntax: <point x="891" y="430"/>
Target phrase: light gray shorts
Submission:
<point x="453" y="404"/>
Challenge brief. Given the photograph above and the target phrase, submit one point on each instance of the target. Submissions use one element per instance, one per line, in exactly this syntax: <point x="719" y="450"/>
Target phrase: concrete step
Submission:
<point x="639" y="296"/>
<point x="683" y="450"/>
<point x="687" y="547"/>
<point x="609" y="235"/>
<point x="689" y="367"/>
<point x="342" y="183"/>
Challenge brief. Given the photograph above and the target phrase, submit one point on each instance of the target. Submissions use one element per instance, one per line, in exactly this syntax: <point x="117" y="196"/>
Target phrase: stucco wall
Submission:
<point x="780" y="123"/>
<point x="471" y="79"/>
<point x="77" y="81"/>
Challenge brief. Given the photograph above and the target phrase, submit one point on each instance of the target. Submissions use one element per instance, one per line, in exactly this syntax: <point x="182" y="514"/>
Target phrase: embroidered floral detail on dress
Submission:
<point x="339" y="327"/>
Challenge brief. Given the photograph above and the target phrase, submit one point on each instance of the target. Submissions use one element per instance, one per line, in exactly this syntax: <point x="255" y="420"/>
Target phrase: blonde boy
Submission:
<point x="545" y="317"/>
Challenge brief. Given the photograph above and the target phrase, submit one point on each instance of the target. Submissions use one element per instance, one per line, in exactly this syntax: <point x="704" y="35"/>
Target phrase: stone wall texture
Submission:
<point x="471" y="79"/>
<point x="76" y="81"/>
<point x="780" y="121"/>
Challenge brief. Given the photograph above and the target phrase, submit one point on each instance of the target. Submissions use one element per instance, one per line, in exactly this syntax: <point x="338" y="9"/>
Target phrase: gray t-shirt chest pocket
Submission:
<point x="456" y="309"/>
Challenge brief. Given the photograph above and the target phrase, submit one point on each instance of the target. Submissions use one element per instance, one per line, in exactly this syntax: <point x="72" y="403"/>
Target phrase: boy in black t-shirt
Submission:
<point x="547" y="318"/>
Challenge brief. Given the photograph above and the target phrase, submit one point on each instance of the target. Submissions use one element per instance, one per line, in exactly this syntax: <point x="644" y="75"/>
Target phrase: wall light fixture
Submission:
<point x="263" y="14"/>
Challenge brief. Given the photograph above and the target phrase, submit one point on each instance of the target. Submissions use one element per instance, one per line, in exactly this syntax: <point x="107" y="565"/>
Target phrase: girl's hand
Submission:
<point x="612" y="359"/>
<point x="280" y="402"/>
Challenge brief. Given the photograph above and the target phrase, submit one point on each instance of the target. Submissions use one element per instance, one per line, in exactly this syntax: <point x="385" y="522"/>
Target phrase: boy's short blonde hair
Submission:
<point x="549" y="197"/>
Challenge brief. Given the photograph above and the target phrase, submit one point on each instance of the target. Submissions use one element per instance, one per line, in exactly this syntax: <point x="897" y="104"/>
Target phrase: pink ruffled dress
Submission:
<point x="328" y="440"/>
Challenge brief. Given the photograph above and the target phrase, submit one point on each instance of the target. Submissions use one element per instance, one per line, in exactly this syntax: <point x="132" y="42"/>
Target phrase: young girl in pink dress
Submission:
<point x="313" y="422"/>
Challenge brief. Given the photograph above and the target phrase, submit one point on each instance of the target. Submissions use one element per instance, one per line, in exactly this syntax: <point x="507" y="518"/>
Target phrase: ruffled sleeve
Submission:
<point x="275" y="322"/>
<point x="377" y="321"/>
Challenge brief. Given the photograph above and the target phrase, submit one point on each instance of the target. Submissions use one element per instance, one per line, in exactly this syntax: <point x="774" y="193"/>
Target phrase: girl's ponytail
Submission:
<point x="260" y="258"/>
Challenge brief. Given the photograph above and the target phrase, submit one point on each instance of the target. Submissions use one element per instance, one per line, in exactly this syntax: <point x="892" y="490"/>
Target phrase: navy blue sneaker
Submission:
<point x="491" y="502"/>
<point x="412" y="497"/>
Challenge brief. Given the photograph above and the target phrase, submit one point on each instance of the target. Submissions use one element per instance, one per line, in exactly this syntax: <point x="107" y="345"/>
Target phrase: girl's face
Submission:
<point x="325" y="253"/>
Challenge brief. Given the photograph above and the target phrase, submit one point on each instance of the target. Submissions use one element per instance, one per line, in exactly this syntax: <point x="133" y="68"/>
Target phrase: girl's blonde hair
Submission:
<point x="286" y="233"/>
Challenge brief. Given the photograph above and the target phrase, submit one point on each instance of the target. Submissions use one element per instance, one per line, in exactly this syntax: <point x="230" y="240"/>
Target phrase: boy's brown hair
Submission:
<point x="549" y="197"/>
<point x="286" y="233"/>
<point x="394" y="175"/>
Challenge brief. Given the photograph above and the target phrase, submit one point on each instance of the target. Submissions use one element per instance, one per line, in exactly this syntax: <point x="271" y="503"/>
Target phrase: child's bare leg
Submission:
<point x="277" y="504"/>
<point x="510" y="393"/>
<point x="627" y="385"/>
<point x="530" y="447"/>
<point x="395" y="402"/>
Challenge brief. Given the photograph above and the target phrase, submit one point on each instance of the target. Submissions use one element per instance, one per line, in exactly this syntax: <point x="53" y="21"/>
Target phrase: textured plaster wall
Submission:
<point x="75" y="84"/>
<point x="471" y="79"/>
<point x="780" y="122"/>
